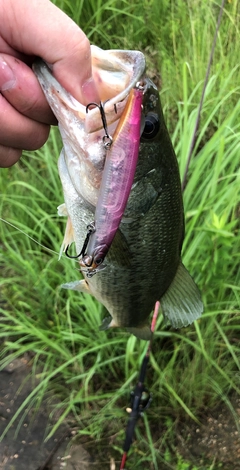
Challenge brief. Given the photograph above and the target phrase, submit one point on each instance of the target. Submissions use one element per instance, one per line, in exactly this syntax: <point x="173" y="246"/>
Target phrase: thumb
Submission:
<point x="41" y="29"/>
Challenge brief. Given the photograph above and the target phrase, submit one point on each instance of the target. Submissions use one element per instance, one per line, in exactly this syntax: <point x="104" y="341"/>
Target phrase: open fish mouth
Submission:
<point x="115" y="74"/>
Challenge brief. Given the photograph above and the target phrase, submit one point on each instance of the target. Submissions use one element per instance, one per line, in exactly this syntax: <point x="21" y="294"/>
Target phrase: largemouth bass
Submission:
<point x="143" y="263"/>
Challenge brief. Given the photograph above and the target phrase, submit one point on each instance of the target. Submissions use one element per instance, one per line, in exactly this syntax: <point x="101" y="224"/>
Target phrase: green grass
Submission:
<point x="92" y="372"/>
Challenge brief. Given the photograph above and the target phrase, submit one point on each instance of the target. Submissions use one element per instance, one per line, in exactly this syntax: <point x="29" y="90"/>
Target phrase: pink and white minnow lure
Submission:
<point x="118" y="174"/>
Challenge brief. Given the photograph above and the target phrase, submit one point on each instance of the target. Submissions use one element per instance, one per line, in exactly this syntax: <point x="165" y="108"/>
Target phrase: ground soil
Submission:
<point x="213" y="445"/>
<point x="216" y="443"/>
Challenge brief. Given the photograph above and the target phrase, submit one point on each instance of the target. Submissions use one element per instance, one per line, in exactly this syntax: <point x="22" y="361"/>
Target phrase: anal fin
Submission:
<point x="181" y="304"/>
<point x="141" y="332"/>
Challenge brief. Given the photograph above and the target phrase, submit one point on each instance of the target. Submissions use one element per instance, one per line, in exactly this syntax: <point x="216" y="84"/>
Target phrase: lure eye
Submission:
<point x="99" y="255"/>
<point x="152" y="126"/>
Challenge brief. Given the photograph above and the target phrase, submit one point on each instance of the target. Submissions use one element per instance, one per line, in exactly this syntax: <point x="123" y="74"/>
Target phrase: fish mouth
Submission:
<point x="115" y="73"/>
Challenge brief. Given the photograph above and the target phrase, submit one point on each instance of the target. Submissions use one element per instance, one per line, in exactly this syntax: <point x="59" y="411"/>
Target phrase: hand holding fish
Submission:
<point x="30" y="29"/>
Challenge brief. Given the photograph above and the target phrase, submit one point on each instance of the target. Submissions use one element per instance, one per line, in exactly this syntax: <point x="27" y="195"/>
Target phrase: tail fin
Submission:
<point x="181" y="304"/>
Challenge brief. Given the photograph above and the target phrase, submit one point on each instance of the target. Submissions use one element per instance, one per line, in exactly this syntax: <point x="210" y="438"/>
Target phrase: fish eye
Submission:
<point x="98" y="261"/>
<point x="152" y="126"/>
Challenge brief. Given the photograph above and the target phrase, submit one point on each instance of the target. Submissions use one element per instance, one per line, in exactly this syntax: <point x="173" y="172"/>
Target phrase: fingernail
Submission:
<point x="89" y="91"/>
<point x="7" y="77"/>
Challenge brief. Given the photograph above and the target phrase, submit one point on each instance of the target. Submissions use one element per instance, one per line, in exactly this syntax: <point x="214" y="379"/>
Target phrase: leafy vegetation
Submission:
<point x="92" y="372"/>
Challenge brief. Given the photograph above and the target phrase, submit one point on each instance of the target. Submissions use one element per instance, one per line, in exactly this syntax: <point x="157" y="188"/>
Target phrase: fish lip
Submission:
<point x="48" y="82"/>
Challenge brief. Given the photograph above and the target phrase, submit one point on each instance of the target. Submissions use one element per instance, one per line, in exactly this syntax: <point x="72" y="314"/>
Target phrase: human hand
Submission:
<point x="30" y="29"/>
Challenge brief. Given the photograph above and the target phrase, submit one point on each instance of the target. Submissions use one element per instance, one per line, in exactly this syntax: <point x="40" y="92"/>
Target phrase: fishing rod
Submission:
<point x="140" y="397"/>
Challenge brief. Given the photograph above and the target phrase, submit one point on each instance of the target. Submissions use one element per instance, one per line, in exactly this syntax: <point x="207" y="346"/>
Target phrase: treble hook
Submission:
<point x="91" y="229"/>
<point x="107" y="139"/>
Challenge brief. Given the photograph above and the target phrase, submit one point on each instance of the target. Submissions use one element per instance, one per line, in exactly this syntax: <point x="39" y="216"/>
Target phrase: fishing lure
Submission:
<point x="118" y="174"/>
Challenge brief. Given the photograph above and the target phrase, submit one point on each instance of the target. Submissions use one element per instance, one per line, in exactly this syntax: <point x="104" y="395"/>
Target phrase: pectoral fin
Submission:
<point x="181" y="304"/>
<point x="68" y="237"/>
<point x="81" y="286"/>
<point x="62" y="210"/>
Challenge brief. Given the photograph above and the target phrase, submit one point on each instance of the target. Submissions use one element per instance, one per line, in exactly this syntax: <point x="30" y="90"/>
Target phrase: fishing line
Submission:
<point x="28" y="236"/>
<point x="194" y="137"/>
<point x="140" y="397"/>
<point x="67" y="256"/>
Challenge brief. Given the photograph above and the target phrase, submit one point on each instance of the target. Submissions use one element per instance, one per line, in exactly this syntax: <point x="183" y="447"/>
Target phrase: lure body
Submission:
<point x="117" y="179"/>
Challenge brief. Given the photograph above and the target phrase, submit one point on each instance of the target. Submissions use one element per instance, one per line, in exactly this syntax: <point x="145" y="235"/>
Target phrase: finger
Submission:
<point x="46" y="31"/>
<point x="9" y="156"/>
<point x="19" y="131"/>
<point x="7" y="49"/>
<point x="20" y="87"/>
